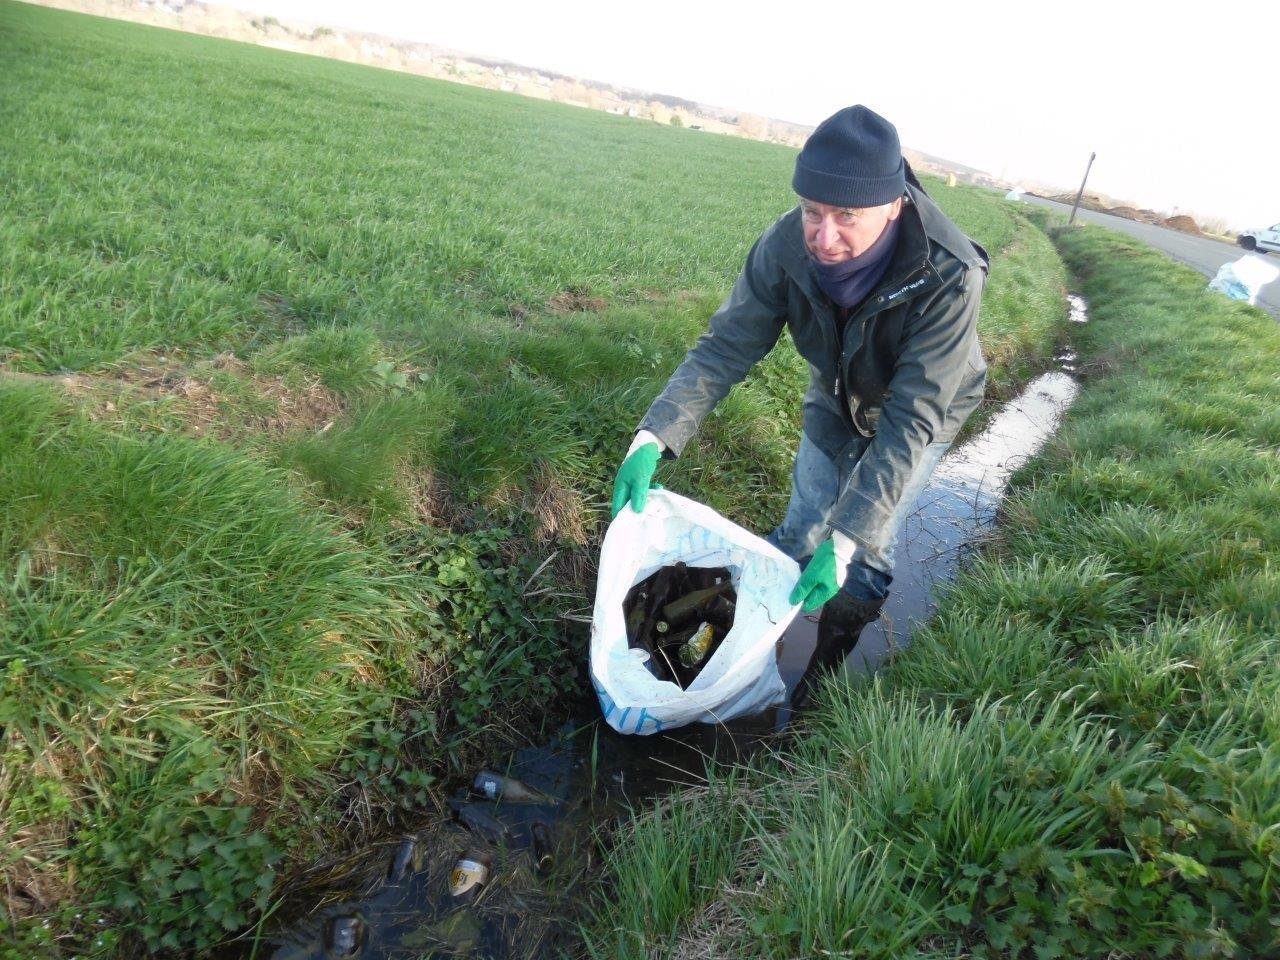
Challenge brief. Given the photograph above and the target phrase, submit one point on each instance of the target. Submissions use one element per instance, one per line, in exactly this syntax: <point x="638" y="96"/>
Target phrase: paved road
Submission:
<point x="1201" y="253"/>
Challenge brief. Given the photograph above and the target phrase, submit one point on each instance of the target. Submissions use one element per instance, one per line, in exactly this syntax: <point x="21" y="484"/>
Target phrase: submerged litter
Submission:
<point x="404" y="860"/>
<point x="543" y="851"/>
<point x="470" y="873"/>
<point x="481" y="821"/>
<point x="494" y="786"/>
<point x="344" y="936"/>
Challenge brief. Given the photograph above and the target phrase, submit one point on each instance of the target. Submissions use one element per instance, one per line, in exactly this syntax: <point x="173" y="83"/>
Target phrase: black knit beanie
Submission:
<point x="853" y="159"/>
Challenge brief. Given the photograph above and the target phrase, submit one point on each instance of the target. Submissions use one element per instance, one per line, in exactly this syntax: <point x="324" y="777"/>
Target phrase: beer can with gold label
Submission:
<point x="469" y="874"/>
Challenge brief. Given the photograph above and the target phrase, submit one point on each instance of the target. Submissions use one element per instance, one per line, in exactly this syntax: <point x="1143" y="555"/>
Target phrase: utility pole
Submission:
<point x="1075" y="206"/>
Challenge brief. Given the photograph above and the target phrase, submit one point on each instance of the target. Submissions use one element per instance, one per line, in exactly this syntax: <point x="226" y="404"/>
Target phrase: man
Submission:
<point x="880" y="292"/>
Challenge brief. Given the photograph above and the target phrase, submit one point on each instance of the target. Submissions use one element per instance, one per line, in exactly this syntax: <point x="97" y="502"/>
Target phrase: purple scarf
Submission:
<point x="848" y="283"/>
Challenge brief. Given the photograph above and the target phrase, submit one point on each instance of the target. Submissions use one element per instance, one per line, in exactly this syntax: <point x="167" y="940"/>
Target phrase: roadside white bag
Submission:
<point x="742" y="676"/>
<point x="1243" y="279"/>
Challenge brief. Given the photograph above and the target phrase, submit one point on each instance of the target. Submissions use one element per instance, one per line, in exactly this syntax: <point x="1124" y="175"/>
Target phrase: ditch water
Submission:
<point x="395" y="901"/>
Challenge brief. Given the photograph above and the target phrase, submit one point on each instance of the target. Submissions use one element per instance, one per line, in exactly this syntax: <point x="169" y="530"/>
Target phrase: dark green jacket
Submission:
<point x="910" y="372"/>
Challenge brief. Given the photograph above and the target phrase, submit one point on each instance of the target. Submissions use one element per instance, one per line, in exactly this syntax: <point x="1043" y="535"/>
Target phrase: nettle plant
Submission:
<point x="384" y="760"/>
<point x="494" y="629"/>
<point x="182" y="881"/>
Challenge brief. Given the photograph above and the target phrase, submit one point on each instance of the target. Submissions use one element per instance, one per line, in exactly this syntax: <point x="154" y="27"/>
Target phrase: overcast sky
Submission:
<point x="1179" y="101"/>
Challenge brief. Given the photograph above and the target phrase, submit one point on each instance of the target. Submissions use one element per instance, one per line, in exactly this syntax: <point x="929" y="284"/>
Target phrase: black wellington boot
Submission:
<point x="840" y="623"/>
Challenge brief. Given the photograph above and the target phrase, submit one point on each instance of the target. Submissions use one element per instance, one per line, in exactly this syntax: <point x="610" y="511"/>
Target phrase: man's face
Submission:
<point x="837" y="234"/>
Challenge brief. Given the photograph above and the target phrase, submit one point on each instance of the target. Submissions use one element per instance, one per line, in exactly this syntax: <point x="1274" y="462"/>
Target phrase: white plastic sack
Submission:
<point x="742" y="675"/>
<point x="1243" y="279"/>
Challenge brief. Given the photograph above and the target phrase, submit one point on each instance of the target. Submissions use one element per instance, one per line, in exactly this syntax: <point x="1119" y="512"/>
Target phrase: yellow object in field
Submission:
<point x="951" y="179"/>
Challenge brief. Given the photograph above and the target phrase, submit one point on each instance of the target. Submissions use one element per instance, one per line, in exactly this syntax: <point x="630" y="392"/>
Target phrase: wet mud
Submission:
<point x="532" y="824"/>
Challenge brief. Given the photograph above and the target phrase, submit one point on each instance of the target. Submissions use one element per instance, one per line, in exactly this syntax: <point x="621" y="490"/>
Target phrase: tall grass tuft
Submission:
<point x="181" y="636"/>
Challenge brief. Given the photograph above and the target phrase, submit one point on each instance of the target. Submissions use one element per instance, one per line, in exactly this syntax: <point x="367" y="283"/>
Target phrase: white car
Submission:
<point x="1261" y="240"/>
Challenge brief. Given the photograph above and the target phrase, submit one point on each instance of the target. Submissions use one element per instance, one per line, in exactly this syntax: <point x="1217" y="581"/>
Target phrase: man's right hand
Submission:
<point x="635" y="476"/>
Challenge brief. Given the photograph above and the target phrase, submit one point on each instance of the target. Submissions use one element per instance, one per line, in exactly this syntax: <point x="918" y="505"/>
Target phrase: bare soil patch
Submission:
<point x="257" y="404"/>
<point x="575" y="300"/>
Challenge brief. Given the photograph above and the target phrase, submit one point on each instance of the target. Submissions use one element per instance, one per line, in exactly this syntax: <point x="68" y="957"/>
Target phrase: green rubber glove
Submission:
<point x="635" y="477"/>
<point x="820" y="580"/>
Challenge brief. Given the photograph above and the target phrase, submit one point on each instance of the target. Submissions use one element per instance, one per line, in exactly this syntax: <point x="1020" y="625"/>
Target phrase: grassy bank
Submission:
<point x="305" y="370"/>
<point x="1078" y="756"/>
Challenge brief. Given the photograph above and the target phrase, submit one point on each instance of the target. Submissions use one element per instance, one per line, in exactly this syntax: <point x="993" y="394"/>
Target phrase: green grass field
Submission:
<point x="305" y="370"/>
<point x="1080" y="755"/>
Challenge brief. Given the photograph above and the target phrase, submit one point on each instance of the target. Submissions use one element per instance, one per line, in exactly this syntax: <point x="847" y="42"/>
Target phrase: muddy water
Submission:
<point x="394" y="901"/>
<point x="958" y="506"/>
